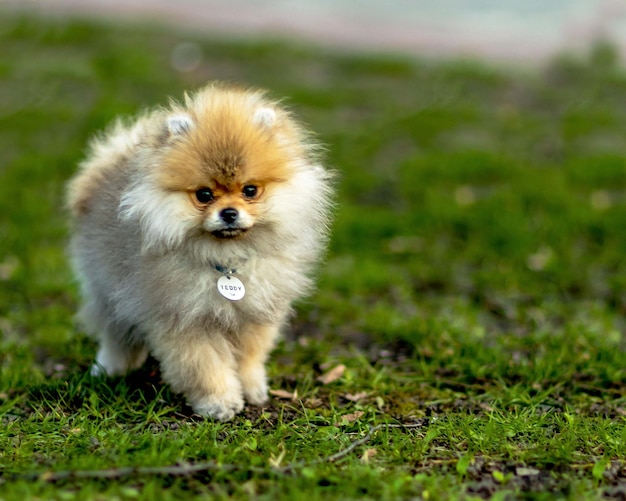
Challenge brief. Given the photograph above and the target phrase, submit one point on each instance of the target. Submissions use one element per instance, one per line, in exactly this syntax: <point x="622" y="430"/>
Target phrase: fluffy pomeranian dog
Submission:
<point x="194" y="229"/>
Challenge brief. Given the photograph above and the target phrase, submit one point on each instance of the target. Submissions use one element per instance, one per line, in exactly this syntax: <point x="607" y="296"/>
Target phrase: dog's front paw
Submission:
<point x="256" y="394"/>
<point x="96" y="370"/>
<point x="220" y="408"/>
<point x="254" y="383"/>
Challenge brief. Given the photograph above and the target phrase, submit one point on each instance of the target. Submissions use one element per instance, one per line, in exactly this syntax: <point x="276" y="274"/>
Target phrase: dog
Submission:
<point x="194" y="229"/>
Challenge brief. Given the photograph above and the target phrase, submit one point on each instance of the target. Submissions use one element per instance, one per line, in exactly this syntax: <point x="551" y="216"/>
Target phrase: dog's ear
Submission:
<point x="265" y="117"/>
<point x="179" y="124"/>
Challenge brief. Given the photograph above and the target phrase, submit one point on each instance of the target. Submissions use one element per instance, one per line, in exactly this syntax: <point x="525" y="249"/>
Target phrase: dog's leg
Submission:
<point x="116" y="359"/>
<point x="202" y="366"/>
<point x="253" y="347"/>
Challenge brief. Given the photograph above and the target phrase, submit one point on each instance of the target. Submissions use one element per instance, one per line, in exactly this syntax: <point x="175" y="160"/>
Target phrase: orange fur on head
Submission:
<point x="227" y="147"/>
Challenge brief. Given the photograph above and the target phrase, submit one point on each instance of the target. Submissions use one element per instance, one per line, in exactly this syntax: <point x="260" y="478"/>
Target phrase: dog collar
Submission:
<point x="225" y="269"/>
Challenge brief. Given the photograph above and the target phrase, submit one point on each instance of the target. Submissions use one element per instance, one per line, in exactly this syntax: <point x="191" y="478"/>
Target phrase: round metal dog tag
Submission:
<point x="231" y="287"/>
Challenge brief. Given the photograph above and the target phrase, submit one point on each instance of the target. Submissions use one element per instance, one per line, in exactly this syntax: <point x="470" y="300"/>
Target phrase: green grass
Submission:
<point x="474" y="289"/>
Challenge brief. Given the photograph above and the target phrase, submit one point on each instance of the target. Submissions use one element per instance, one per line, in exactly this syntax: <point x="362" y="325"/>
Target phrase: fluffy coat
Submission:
<point x="153" y="231"/>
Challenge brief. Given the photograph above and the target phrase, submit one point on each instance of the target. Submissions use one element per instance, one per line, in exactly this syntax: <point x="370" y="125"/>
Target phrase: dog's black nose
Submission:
<point x="229" y="215"/>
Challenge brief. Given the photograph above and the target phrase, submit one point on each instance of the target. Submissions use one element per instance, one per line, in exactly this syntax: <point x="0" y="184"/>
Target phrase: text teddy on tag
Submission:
<point x="231" y="288"/>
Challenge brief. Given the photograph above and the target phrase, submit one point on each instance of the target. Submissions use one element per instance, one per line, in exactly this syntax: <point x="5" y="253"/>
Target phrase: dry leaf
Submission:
<point x="352" y="417"/>
<point x="369" y="453"/>
<point x="355" y="397"/>
<point x="332" y="375"/>
<point x="46" y="476"/>
<point x="313" y="403"/>
<point x="284" y="394"/>
<point x="526" y="472"/>
<point x="276" y="460"/>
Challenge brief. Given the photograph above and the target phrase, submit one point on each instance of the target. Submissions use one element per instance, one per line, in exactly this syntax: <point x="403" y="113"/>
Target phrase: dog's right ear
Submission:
<point x="265" y="117"/>
<point x="179" y="124"/>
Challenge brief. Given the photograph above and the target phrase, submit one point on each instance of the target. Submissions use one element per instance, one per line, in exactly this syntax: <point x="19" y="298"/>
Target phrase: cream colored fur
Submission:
<point x="145" y="249"/>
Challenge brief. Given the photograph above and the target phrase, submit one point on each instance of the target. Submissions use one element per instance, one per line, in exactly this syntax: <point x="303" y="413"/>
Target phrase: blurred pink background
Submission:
<point x="515" y="31"/>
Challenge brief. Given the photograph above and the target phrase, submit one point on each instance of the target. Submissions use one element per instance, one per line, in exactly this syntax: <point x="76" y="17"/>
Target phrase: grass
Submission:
<point x="474" y="289"/>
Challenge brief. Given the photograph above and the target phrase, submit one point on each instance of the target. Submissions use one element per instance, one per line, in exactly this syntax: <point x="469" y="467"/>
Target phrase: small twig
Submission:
<point x="188" y="469"/>
<point x="344" y="452"/>
<point x="115" y="473"/>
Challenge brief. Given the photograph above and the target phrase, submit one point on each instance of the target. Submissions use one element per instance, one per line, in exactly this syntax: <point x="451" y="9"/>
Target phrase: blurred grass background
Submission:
<point x="456" y="178"/>
<point x="477" y="255"/>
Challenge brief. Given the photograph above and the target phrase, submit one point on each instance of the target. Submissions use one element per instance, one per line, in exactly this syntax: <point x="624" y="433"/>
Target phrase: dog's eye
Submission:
<point x="204" y="195"/>
<point x="249" y="191"/>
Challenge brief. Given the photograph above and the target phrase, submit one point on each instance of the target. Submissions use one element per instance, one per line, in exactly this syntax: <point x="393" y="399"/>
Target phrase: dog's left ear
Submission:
<point x="178" y="124"/>
<point x="265" y="117"/>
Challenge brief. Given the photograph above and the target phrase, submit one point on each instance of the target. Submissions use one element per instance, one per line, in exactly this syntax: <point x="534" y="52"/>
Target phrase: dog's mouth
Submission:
<point x="229" y="232"/>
